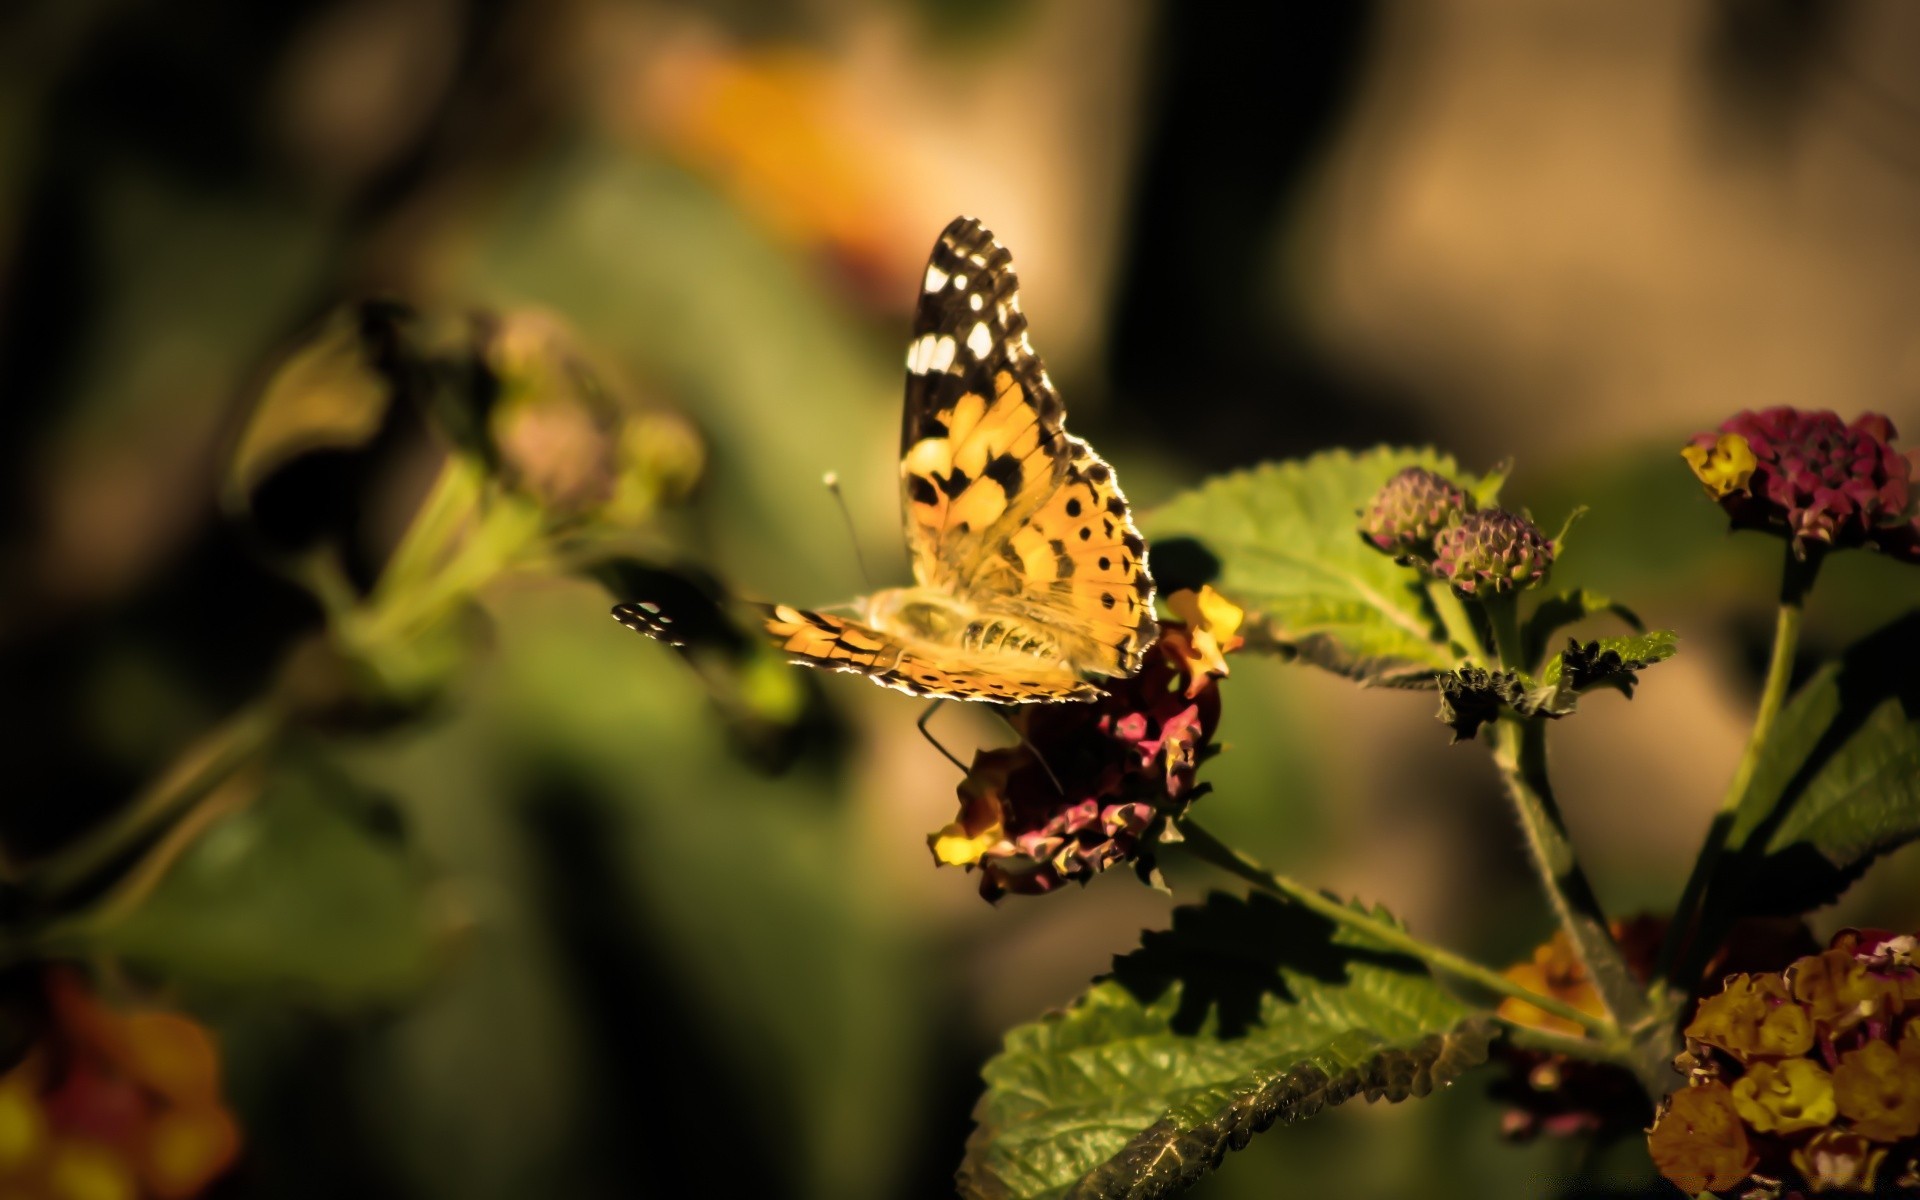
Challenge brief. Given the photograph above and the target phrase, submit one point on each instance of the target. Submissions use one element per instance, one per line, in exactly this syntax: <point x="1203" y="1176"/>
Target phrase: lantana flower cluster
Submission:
<point x="1807" y="475"/>
<point x="1092" y="785"/>
<point x="1425" y="519"/>
<point x="113" y="1105"/>
<point x="1805" y="1079"/>
<point x="1554" y="1094"/>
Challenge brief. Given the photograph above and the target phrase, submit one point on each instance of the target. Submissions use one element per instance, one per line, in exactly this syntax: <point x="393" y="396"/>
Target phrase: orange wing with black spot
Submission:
<point x="1003" y="507"/>
<point x="818" y="639"/>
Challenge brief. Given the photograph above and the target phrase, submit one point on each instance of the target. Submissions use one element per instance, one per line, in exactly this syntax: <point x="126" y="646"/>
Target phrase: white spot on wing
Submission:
<point x="942" y="355"/>
<point x="936" y="278"/>
<point x="920" y="354"/>
<point x="980" y="340"/>
<point x="975" y="302"/>
<point x="960" y="283"/>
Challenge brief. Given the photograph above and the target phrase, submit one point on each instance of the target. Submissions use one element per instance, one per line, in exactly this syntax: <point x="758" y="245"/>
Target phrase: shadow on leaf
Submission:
<point x="1229" y="953"/>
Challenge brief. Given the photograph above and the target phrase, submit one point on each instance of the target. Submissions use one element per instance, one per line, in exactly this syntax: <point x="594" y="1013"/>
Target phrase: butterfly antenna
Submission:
<point x="926" y="733"/>
<point x="832" y="480"/>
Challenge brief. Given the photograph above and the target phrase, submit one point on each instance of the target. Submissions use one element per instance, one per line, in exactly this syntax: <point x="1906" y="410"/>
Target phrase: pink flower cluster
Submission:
<point x="1806" y="474"/>
<point x="1105" y="776"/>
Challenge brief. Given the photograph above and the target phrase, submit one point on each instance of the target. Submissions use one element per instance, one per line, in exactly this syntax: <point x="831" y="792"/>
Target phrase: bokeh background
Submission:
<point x="558" y="936"/>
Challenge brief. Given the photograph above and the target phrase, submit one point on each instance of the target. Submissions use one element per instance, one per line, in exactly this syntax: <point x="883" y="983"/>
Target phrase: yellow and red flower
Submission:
<point x="113" y="1104"/>
<point x="1090" y="785"/>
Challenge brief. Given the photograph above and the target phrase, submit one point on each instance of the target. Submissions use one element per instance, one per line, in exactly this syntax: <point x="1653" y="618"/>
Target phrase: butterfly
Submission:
<point x="1030" y="580"/>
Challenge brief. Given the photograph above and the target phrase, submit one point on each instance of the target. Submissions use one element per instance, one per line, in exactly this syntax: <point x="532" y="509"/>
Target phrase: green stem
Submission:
<point x="1456" y="620"/>
<point x="1503" y="616"/>
<point x="1521" y="755"/>
<point x="1520" y="752"/>
<point x="203" y="767"/>
<point x="1616" y="1052"/>
<point x="1205" y="846"/>
<point x="1679" y="958"/>
<point x="429" y="537"/>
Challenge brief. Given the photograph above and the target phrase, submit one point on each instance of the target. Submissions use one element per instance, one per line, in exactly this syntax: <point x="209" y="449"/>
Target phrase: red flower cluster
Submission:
<point x="1807" y="475"/>
<point x="113" y="1105"/>
<point x="1091" y="784"/>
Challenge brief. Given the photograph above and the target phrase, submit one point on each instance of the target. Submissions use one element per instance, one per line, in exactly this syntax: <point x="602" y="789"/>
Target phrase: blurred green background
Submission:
<point x="556" y="935"/>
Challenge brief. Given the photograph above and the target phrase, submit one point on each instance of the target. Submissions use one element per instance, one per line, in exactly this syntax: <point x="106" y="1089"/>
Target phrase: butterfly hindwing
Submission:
<point x="836" y="643"/>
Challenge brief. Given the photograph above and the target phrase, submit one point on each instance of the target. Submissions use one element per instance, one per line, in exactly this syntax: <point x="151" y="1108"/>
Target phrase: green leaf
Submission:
<point x="1614" y="662"/>
<point x="1556" y="612"/>
<point x="1282" y="540"/>
<point x="1245" y="1013"/>
<point x="327" y="395"/>
<point x="301" y="891"/>
<point x="1836" y="786"/>
<point x="1472" y="696"/>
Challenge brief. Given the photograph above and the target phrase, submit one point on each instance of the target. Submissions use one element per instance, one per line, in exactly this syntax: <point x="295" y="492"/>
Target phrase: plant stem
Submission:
<point x="1205" y="846"/>
<point x="1679" y="959"/>
<point x="1520" y="752"/>
<point x="1456" y="620"/>
<point x="199" y="770"/>
<point x="1503" y="616"/>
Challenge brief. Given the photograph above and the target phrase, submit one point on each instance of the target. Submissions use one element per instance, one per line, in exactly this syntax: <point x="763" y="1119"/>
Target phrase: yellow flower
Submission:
<point x="1878" y="1088"/>
<point x="1786" y="1097"/>
<point x="1555" y="970"/>
<point x="1753" y="1016"/>
<point x="1838" y="989"/>
<point x="981" y="823"/>
<point x="1723" y="467"/>
<point x="1835" y="1160"/>
<point x="1213" y="623"/>
<point x="1698" y="1142"/>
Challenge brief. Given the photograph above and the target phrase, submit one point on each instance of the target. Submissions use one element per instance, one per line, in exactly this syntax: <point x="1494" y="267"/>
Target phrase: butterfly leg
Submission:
<point x="926" y="733"/>
<point x="1031" y="749"/>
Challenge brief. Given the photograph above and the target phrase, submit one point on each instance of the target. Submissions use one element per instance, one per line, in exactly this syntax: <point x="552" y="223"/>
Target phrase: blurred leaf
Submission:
<point x="296" y="892"/>
<point x="1613" y="662"/>
<point x="656" y="270"/>
<point x="1282" y="539"/>
<point x="328" y="394"/>
<point x="1837" y="784"/>
<point x="1245" y="1013"/>
<point x="1556" y="612"/>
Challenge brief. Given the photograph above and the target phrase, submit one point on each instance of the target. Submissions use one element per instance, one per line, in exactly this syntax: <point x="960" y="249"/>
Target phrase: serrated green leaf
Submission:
<point x="297" y="892"/>
<point x="1837" y="784"/>
<point x="1245" y="1013"/>
<point x="1472" y="696"/>
<point x="1614" y="662"/>
<point x="1556" y="612"/>
<point x="1282" y="540"/>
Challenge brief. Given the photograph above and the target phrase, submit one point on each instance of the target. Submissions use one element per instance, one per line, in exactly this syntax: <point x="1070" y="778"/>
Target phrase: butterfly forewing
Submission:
<point x="1003" y="508"/>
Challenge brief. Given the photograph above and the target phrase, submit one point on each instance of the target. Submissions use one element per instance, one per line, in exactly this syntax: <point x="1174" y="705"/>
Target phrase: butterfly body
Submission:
<point x="1031" y="580"/>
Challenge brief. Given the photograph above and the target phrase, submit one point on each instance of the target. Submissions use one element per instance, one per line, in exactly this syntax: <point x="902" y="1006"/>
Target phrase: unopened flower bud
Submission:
<point x="1414" y="505"/>
<point x="1492" y="552"/>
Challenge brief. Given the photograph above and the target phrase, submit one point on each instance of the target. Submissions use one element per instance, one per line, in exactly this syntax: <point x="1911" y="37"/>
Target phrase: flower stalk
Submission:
<point x="1683" y="953"/>
<point x="1203" y="845"/>
<point x="1520" y="753"/>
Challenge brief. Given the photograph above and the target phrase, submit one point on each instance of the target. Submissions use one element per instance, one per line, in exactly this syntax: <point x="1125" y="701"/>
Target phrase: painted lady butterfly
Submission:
<point x="1030" y="580"/>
